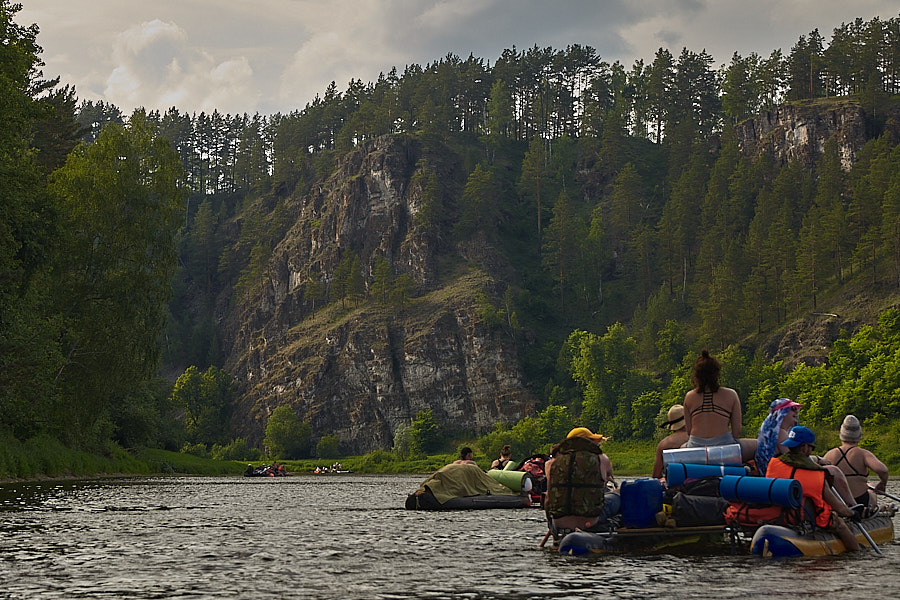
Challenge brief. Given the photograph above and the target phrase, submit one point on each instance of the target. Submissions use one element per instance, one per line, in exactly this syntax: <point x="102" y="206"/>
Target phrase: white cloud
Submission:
<point x="157" y="66"/>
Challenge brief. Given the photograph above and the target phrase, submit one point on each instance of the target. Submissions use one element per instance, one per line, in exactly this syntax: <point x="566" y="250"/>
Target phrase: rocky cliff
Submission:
<point x="799" y="132"/>
<point x="362" y="370"/>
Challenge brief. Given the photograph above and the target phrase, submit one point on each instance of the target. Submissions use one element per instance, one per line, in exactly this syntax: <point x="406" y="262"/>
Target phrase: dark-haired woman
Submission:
<point x="712" y="413"/>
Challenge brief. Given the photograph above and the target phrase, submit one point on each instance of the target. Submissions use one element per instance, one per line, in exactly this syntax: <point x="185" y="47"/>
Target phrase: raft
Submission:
<point x="782" y="542"/>
<point x="464" y="487"/>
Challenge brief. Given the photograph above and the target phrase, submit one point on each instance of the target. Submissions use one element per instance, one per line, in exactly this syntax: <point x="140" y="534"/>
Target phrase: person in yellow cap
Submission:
<point x="577" y="492"/>
<point x="676" y="439"/>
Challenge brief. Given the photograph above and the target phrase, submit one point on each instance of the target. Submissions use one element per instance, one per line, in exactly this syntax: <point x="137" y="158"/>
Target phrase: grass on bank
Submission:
<point x="44" y="457"/>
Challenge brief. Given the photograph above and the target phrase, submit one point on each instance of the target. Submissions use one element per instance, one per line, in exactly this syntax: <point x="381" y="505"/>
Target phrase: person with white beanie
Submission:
<point x="856" y="462"/>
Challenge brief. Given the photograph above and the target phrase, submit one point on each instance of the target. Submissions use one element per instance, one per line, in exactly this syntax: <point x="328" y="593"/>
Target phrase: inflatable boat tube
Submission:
<point x="678" y="473"/>
<point x="782" y="542"/>
<point x="517" y="481"/>
<point x="426" y="501"/>
<point x="762" y="490"/>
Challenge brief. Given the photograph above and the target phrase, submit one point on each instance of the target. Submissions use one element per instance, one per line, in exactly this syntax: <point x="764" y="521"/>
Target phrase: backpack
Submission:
<point x="703" y="486"/>
<point x="576" y="481"/>
<point x="693" y="511"/>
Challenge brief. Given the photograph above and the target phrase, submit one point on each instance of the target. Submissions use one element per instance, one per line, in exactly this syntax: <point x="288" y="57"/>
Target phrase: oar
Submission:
<point x="877" y="491"/>
<point x="862" y="529"/>
<point x="544" y="541"/>
<point x="869" y="538"/>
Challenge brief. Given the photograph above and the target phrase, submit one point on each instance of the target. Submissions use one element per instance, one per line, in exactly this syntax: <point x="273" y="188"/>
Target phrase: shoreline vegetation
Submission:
<point x="45" y="459"/>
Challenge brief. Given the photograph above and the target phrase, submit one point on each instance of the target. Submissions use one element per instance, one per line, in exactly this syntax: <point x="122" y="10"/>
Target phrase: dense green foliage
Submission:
<point x="286" y="435"/>
<point x="87" y="255"/>
<point x="638" y="231"/>
<point x="205" y="399"/>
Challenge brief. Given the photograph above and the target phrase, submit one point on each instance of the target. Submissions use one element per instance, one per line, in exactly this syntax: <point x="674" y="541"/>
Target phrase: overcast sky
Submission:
<point x="275" y="55"/>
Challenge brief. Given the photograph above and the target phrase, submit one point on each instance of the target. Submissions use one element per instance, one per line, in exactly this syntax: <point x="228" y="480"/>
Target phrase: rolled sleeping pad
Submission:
<point x="762" y="490"/>
<point x="511" y="465"/>
<point x="517" y="481"/>
<point x="729" y="454"/>
<point x="678" y="473"/>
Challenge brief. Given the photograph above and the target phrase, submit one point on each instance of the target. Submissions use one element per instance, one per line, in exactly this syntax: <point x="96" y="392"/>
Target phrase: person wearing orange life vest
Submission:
<point x="817" y="492"/>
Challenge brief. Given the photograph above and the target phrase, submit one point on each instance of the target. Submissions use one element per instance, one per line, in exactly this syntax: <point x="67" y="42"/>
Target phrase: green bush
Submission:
<point x="286" y="436"/>
<point x="235" y="450"/>
<point x="328" y="447"/>
<point x="197" y="449"/>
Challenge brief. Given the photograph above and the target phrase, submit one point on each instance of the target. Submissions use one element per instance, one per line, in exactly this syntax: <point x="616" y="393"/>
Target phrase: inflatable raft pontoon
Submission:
<point x="777" y="541"/>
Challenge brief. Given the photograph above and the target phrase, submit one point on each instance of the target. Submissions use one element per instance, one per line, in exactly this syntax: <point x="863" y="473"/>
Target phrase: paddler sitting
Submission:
<point x="577" y="477"/>
<point x="676" y="439"/>
<point x="712" y="413"/>
<point x="820" y="501"/>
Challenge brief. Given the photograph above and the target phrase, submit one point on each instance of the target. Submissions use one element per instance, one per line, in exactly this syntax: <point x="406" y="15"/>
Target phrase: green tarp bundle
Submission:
<point x="459" y="481"/>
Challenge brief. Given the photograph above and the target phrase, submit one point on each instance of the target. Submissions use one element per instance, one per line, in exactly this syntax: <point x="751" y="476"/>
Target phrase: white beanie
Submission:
<point x="850" y="429"/>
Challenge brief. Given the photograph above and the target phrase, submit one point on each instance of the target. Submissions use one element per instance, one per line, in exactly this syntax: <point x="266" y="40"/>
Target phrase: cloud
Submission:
<point x="277" y="55"/>
<point x="155" y="66"/>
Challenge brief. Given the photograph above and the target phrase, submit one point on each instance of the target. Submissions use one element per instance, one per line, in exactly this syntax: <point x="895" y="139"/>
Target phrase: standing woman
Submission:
<point x="712" y="413"/>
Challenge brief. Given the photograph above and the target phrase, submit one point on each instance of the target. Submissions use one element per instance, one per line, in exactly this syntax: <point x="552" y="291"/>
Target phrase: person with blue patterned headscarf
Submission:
<point x="784" y="413"/>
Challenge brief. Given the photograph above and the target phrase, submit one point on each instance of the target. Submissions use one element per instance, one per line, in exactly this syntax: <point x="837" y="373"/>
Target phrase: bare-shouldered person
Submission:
<point x="676" y="439"/>
<point x="712" y="413"/>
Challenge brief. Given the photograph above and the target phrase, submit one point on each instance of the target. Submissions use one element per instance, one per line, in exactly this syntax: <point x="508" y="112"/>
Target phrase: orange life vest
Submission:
<point x="813" y="483"/>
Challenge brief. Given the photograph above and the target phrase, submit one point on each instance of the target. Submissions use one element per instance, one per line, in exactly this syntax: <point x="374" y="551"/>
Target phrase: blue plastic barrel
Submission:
<point x="641" y="500"/>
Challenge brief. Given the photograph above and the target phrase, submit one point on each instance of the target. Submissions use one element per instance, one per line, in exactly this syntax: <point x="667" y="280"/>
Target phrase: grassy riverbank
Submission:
<point x="42" y="458"/>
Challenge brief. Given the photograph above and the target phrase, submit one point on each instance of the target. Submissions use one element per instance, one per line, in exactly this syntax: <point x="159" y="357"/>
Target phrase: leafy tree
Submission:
<point x="286" y="436"/>
<point x="534" y="180"/>
<point x="401" y="290"/>
<point x="562" y="244"/>
<point x="203" y="257"/>
<point x="120" y="201"/>
<point x="424" y="433"/>
<point x="348" y="278"/>
<point x="205" y="398"/>
<point x="313" y="290"/>
<point x="382" y="282"/>
<point x="30" y="357"/>
<point x="327" y="447"/>
<point x="479" y="202"/>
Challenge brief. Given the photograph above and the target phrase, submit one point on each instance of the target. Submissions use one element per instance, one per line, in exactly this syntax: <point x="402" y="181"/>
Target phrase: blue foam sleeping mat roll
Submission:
<point x="762" y="490"/>
<point x="678" y="473"/>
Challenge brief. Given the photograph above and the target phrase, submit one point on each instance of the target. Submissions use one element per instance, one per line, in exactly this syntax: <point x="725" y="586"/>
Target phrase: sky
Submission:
<point x="271" y="56"/>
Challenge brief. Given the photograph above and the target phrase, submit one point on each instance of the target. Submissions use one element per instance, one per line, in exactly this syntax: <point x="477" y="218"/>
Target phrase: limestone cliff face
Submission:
<point x="362" y="372"/>
<point x="794" y="131"/>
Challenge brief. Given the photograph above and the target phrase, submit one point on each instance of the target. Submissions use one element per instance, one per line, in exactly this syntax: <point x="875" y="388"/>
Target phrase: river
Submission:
<point x="348" y="536"/>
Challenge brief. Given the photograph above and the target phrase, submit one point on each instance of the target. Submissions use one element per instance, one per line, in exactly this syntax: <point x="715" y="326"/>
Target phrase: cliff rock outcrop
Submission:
<point x="362" y="371"/>
<point x="800" y="131"/>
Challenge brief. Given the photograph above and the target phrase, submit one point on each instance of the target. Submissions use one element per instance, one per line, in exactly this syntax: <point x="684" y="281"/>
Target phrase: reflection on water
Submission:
<point x="348" y="536"/>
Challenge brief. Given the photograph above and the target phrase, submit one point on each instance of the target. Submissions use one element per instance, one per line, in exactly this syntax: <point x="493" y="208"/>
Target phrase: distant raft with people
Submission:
<point x="467" y="487"/>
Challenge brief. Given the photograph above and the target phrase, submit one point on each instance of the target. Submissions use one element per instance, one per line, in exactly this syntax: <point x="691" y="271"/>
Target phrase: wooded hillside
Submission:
<point x="615" y="206"/>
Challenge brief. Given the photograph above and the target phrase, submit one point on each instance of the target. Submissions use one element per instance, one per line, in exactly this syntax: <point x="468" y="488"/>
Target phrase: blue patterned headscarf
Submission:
<point x="767" y="439"/>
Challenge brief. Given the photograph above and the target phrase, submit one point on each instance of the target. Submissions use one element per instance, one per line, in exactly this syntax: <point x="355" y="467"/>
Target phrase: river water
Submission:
<point x="349" y="536"/>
